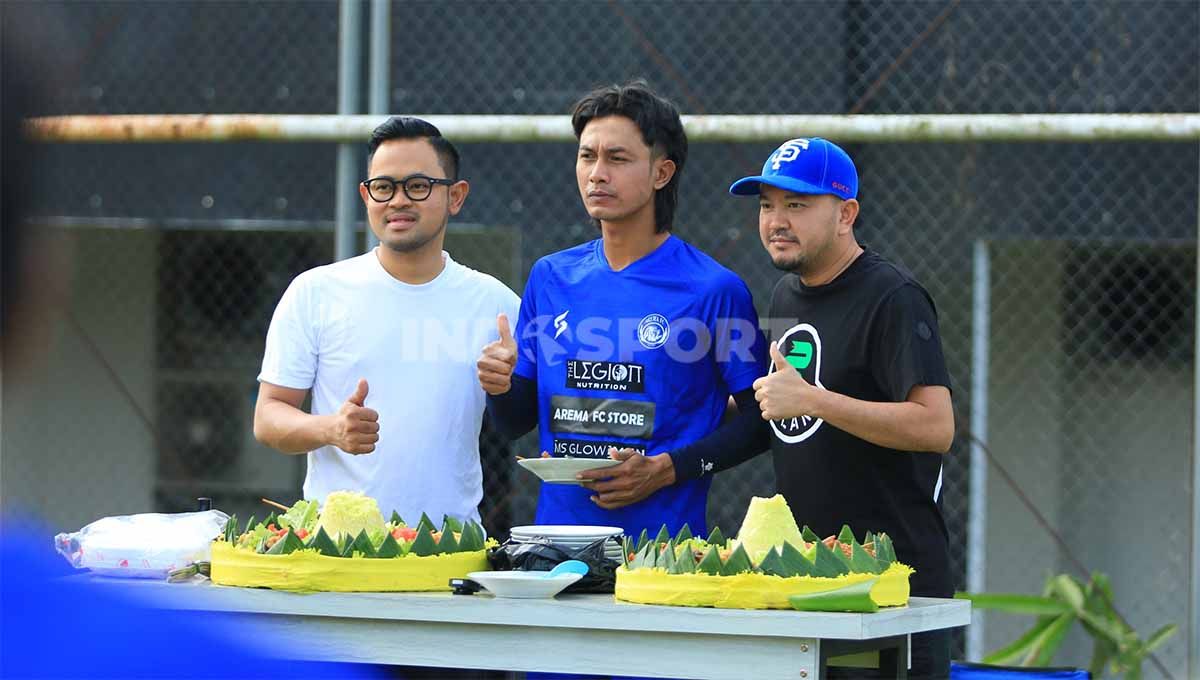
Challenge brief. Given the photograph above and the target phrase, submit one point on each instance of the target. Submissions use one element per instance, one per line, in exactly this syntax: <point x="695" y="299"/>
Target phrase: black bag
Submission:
<point x="540" y="554"/>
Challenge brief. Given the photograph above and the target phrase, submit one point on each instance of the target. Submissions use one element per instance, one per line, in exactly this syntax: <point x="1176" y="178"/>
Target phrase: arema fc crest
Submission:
<point x="653" y="331"/>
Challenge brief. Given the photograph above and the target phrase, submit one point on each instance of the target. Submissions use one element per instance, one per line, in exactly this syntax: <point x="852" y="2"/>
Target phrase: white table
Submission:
<point x="571" y="633"/>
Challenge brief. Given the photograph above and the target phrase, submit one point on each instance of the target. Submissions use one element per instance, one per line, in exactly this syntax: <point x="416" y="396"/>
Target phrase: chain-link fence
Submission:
<point x="181" y="251"/>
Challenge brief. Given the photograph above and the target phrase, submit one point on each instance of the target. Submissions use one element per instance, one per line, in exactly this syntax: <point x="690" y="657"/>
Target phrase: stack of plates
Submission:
<point x="573" y="537"/>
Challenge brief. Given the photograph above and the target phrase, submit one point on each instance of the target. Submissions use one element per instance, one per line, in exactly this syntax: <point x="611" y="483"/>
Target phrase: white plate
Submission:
<point x="560" y="541"/>
<point x="523" y="584"/>
<point x="578" y="531"/>
<point x="563" y="470"/>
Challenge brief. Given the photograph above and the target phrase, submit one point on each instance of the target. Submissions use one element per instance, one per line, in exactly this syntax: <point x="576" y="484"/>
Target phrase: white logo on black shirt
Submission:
<point x="801" y="346"/>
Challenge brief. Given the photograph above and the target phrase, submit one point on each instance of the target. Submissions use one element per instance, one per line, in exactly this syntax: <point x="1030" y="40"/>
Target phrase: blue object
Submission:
<point x="59" y="627"/>
<point x="960" y="670"/>
<point x="805" y="166"/>
<point x="568" y="567"/>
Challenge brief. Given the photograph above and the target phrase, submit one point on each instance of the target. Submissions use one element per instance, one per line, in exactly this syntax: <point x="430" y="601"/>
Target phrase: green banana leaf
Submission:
<point x="852" y="598"/>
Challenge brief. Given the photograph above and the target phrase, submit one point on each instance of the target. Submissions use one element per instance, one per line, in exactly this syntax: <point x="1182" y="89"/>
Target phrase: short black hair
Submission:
<point x="408" y="127"/>
<point x="661" y="127"/>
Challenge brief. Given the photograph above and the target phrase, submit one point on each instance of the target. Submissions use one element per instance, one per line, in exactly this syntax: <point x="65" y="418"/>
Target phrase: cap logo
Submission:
<point x="789" y="152"/>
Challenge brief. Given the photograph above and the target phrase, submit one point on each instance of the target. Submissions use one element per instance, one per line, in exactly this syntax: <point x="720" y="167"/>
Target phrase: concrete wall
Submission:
<point x="1102" y="449"/>
<point x="1024" y="432"/>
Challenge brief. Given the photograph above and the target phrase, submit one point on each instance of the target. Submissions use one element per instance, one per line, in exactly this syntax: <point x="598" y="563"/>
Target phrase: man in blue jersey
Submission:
<point x="630" y="345"/>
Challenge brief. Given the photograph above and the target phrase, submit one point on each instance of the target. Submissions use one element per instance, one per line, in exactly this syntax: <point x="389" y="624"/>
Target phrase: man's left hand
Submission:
<point x="784" y="393"/>
<point x="635" y="478"/>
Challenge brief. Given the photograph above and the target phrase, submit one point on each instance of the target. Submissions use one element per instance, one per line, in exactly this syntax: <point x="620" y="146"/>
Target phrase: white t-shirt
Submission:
<point x="416" y="346"/>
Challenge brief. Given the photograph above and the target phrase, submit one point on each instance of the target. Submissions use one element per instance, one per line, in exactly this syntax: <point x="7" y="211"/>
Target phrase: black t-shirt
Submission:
<point x="870" y="334"/>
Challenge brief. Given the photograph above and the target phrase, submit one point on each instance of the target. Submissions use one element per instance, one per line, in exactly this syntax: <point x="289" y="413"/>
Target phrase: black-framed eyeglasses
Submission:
<point x="416" y="187"/>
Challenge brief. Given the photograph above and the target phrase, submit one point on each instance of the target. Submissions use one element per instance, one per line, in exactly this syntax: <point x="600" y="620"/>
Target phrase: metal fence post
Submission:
<point x="1194" y="627"/>
<point x="977" y="504"/>
<point x="349" y="94"/>
<point x="379" y="70"/>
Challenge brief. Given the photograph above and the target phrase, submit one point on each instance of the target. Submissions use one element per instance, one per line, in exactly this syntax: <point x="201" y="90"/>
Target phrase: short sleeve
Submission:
<point x="290" y="358"/>
<point x="526" y="331"/>
<point x="906" y="345"/>
<point x="739" y="346"/>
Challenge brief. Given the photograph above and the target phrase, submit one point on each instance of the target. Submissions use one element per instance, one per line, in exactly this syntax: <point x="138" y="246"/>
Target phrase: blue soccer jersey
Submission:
<point x="643" y="358"/>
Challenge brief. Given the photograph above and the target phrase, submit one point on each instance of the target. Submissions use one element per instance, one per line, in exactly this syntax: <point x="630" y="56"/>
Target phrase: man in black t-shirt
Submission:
<point x="858" y="397"/>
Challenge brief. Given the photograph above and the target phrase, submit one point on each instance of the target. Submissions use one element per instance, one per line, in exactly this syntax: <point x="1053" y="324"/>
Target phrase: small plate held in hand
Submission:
<point x="563" y="470"/>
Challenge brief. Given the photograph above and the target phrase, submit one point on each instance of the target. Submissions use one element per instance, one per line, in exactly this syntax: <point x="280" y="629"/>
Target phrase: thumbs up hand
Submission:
<point x="355" y="428"/>
<point x="497" y="361"/>
<point x="784" y="393"/>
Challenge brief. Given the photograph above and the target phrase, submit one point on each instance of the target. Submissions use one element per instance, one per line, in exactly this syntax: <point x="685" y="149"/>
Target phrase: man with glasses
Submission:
<point x="387" y="342"/>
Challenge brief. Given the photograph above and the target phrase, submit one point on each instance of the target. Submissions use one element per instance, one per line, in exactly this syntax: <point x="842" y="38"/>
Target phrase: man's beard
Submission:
<point x="795" y="263"/>
<point x="416" y="243"/>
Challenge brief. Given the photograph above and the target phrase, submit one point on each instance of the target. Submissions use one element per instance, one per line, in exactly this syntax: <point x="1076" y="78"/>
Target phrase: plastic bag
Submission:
<point x="149" y="545"/>
<point x="540" y="554"/>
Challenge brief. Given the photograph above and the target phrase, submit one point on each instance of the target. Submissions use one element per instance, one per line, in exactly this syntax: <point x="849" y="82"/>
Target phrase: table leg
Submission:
<point x="893" y="654"/>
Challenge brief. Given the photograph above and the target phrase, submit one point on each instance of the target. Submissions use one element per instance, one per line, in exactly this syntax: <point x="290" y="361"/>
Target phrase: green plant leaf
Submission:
<point x="1108" y="627"/>
<point x="1014" y="651"/>
<point x="1042" y="652"/>
<point x="1068" y="590"/>
<point x="1159" y="636"/>
<point x="1103" y="585"/>
<point x="1015" y="603"/>
<point x="684" y="534"/>
<point x="1102" y="653"/>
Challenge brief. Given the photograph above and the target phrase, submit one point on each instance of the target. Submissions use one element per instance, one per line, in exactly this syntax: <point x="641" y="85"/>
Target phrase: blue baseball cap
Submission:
<point x="809" y="165"/>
